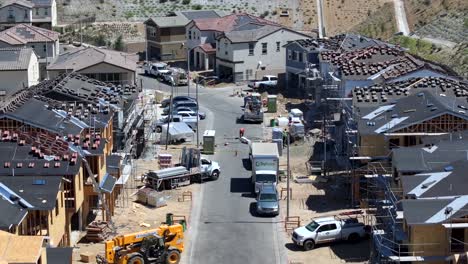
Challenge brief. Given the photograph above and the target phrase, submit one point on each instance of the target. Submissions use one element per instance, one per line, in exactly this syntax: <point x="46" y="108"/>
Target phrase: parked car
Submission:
<point x="267" y="200"/>
<point x="266" y="81"/>
<point x="329" y="229"/>
<point x="176" y="99"/>
<point x="189" y="119"/>
<point x="202" y="115"/>
<point x="188" y="104"/>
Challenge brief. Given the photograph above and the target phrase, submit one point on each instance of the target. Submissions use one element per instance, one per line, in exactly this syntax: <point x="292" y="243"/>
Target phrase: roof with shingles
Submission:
<point x="181" y="18"/>
<point x="23" y="33"/>
<point x="86" y="57"/>
<point x="425" y="158"/>
<point x="12" y="59"/>
<point x="407" y="111"/>
<point x="16" y="2"/>
<point x="230" y="22"/>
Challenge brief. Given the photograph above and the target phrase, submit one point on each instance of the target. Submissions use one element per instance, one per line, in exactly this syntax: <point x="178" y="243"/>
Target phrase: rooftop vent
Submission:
<point x="427" y="184"/>
<point x="39" y="182"/>
<point x="433" y="109"/>
<point x="448" y="168"/>
<point x="394" y="115"/>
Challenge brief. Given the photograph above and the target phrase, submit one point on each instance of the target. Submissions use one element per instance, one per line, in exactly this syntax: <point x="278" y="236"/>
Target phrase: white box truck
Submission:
<point x="264" y="158"/>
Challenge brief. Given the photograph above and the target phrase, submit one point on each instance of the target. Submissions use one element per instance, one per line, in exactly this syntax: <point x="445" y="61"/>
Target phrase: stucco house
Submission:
<point x="101" y="64"/>
<point x="44" y="42"/>
<point x="238" y="46"/>
<point x="40" y="13"/>
<point x="166" y="36"/>
<point x="19" y="68"/>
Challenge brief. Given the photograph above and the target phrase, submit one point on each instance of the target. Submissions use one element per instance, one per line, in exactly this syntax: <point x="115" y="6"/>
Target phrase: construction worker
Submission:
<point x="285" y="137"/>
<point x="241" y="132"/>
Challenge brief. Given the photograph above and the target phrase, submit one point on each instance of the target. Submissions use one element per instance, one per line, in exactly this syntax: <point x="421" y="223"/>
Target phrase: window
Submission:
<point x="300" y="56"/>
<point x="25" y="13"/>
<point x="44" y="48"/>
<point x="190" y="34"/>
<point x="225" y="48"/>
<point x="46" y="11"/>
<point x="289" y="54"/>
<point x="251" y="49"/>
<point x="278" y="46"/>
<point x="11" y="13"/>
<point x="264" y="48"/>
<point x="37" y="11"/>
<point x="294" y="55"/>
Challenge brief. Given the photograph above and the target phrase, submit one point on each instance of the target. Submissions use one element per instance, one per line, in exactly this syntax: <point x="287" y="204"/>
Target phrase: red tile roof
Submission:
<point x="230" y="22"/>
<point x="208" y="47"/>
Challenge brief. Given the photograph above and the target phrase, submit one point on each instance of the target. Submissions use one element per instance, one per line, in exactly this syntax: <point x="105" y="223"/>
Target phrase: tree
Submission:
<point x="197" y="7"/>
<point x="100" y="40"/>
<point x="185" y="2"/>
<point x="119" y="44"/>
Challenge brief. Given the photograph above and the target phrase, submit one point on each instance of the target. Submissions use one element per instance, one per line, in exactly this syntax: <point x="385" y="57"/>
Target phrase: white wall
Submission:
<point x="18" y="12"/>
<point x="33" y="70"/>
<point x="54" y="13"/>
<point x="52" y="48"/>
<point x="273" y="61"/>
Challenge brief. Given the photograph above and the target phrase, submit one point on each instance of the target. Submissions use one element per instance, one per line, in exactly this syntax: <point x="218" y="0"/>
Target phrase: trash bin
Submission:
<point x="272" y="122"/>
<point x="271" y="103"/>
<point x="169" y="219"/>
<point x="209" y="142"/>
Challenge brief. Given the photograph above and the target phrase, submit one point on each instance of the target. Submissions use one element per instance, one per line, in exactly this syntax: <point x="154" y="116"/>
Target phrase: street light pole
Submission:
<point x="287" y="180"/>
<point x="188" y="71"/>
<point x="198" y="117"/>
<point x="169" y="116"/>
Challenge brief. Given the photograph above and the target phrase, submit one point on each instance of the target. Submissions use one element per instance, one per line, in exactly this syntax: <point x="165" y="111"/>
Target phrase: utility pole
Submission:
<point x="287" y="180"/>
<point x="169" y="116"/>
<point x="198" y="117"/>
<point x="324" y="140"/>
<point x="188" y="72"/>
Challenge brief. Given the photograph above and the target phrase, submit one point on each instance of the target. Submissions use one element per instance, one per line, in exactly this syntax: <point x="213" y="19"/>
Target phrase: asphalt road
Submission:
<point x="222" y="227"/>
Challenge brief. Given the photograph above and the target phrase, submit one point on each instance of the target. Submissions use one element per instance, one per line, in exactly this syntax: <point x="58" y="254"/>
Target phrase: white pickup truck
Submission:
<point x="266" y="81"/>
<point x="329" y="229"/>
<point x="157" y="69"/>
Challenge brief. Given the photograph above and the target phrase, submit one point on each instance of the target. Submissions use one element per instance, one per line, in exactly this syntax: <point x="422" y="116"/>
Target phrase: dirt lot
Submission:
<point x="342" y="15"/>
<point x="129" y="214"/>
<point x="315" y="199"/>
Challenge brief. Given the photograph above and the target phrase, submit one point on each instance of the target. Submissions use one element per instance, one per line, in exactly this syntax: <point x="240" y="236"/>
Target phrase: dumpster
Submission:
<point x="271" y="103"/>
<point x="209" y="142"/>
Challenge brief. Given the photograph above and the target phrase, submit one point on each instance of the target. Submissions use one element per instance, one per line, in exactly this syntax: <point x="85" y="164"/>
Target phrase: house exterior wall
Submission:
<point x="249" y="67"/>
<point x="14" y="80"/>
<point x="79" y="190"/>
<point x="429" y="240"/>
<point x="45" y="16"/>
<point x="165" y="44"/>
<point x="15" y="14"/>
<point x="57" y="226"/>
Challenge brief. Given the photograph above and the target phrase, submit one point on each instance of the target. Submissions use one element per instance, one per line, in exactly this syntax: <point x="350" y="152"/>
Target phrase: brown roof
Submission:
<point x="86" y="57"/>
<point x="23" y="33"/>
<point x="230" y="22"/>
<point x="208" y="47"/>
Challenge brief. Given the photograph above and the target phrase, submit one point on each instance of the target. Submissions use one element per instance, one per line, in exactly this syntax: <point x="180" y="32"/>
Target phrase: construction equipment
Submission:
<point x="160" y="245"/>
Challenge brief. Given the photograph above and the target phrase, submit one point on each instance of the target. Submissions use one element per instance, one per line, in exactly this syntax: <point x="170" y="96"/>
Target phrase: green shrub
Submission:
<point x="197" y="7"/>
<point x="185" y="2"/>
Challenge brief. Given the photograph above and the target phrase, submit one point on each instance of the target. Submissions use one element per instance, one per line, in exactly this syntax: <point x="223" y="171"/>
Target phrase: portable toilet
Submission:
<point x="271" y="103"/>
<point x="209" y="141"/>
